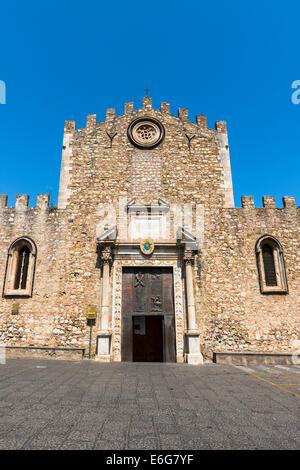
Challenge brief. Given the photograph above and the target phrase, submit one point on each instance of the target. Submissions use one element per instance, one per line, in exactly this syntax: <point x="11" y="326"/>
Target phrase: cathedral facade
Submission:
<point x="146" y="258"/>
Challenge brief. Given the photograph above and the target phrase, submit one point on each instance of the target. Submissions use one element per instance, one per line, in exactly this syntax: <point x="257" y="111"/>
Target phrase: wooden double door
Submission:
<point x="148" y="326"/>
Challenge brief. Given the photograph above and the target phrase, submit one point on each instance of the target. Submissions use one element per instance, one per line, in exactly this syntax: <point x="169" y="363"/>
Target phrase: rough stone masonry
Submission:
<point x="235" y="270"/>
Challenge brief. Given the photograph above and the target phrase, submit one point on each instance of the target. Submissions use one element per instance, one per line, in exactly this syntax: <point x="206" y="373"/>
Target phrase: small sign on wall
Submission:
<point x="92" y="312"/>
<point x="15" y="309"/>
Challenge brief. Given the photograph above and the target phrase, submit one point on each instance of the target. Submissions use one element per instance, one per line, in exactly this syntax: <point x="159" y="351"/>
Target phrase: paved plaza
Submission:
<point x="51" y="404"/>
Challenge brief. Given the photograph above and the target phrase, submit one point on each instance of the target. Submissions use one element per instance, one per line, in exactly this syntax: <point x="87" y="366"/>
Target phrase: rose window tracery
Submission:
<point x="146" y="132"/>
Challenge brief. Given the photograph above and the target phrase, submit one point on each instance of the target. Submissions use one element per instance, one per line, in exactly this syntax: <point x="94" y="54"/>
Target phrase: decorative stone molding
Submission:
<point x="117" y="302"/>
<point x="186" y="240"/>
<point x="188" y="257"/>
<point x="107" y="255"/>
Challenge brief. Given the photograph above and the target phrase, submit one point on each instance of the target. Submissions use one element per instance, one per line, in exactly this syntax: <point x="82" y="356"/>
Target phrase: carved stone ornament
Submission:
<point x="188" y="257"/>
<point x="106" y="255"/>
<point x="178" y="297"/>
<point x="146" y="133"/>
<point x="147" y="246"/>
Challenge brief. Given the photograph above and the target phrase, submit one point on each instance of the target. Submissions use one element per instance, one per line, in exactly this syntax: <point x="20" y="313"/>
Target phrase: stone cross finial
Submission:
<point x="147" y="90"/>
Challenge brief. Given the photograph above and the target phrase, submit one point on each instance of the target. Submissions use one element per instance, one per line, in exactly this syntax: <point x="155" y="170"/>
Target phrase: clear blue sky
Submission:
<point x="230" y="60"/>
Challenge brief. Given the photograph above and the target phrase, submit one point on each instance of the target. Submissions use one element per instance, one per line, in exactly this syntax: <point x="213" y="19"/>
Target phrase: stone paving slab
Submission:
<point x="50" y="404"/>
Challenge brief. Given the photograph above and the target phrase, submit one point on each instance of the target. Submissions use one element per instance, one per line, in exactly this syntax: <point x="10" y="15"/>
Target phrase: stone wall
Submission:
<point x="190" y="166"/>
<point x="233" y="314"/>
<point x="55" y="315"/>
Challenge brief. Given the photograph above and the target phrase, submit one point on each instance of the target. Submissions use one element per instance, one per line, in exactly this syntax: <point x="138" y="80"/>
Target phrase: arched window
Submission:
<point x="270" y="264"/>
<point x="20" y="268"/>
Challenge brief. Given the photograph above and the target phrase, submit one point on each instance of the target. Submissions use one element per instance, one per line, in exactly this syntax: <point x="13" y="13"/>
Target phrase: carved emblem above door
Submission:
<point x="147" y="246"/>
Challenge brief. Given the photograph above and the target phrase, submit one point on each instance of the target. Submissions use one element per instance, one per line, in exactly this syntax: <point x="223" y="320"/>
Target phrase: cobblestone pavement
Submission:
<point x="48" y="404"/>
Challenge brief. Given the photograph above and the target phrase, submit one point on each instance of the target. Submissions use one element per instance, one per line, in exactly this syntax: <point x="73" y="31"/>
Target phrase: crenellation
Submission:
<point x="221" y="127"/>
<point x="128" y="107"/>
<point x="91" y="121"/>
<point x="201" y="120"/>
<point x="183" y="114"/>
<point x="3" y="200"/>
<point x="22" y="201"/>
<point x="165" y="108"/>
<point x="110" y="114"/>
<point x="269" y="202"/>
<point x="289" y="202"/>
<point x="247" y="202"/>
<point x="43" y="201"/>
<point x="147" y="102"/>
<point x="70" y="126"/>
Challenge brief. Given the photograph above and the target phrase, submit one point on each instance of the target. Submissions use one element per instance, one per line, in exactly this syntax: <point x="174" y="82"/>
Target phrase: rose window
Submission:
<point x="145" y="133"/>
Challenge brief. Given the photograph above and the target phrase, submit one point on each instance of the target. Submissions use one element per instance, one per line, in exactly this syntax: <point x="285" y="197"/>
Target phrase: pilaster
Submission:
<point x="105" y="332"/>
<point x="193" y="356"/>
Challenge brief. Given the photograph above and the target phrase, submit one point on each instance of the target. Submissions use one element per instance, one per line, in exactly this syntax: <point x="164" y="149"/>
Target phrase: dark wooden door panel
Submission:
<point x="140" y="290"/>
<point x="168" y="294"/>
<point x="127" y="303"/>
<point x="148" y="292"/>
<point x="154" y="329"/>
<point x="148" y="347"/>
<point x="127" y="291"/>
<point x="155" y="290"/>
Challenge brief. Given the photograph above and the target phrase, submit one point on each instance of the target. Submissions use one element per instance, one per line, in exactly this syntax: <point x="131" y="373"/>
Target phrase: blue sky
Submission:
<point x="232" y="60"/>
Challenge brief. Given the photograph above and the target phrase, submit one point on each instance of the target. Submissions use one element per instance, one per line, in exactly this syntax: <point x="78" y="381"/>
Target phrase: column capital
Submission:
<point x="107" y="255"/>
<point x="188" y="257"/>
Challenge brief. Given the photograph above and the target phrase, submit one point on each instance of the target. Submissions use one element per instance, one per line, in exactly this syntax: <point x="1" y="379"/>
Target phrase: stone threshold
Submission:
<point x="247" y="358"/>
